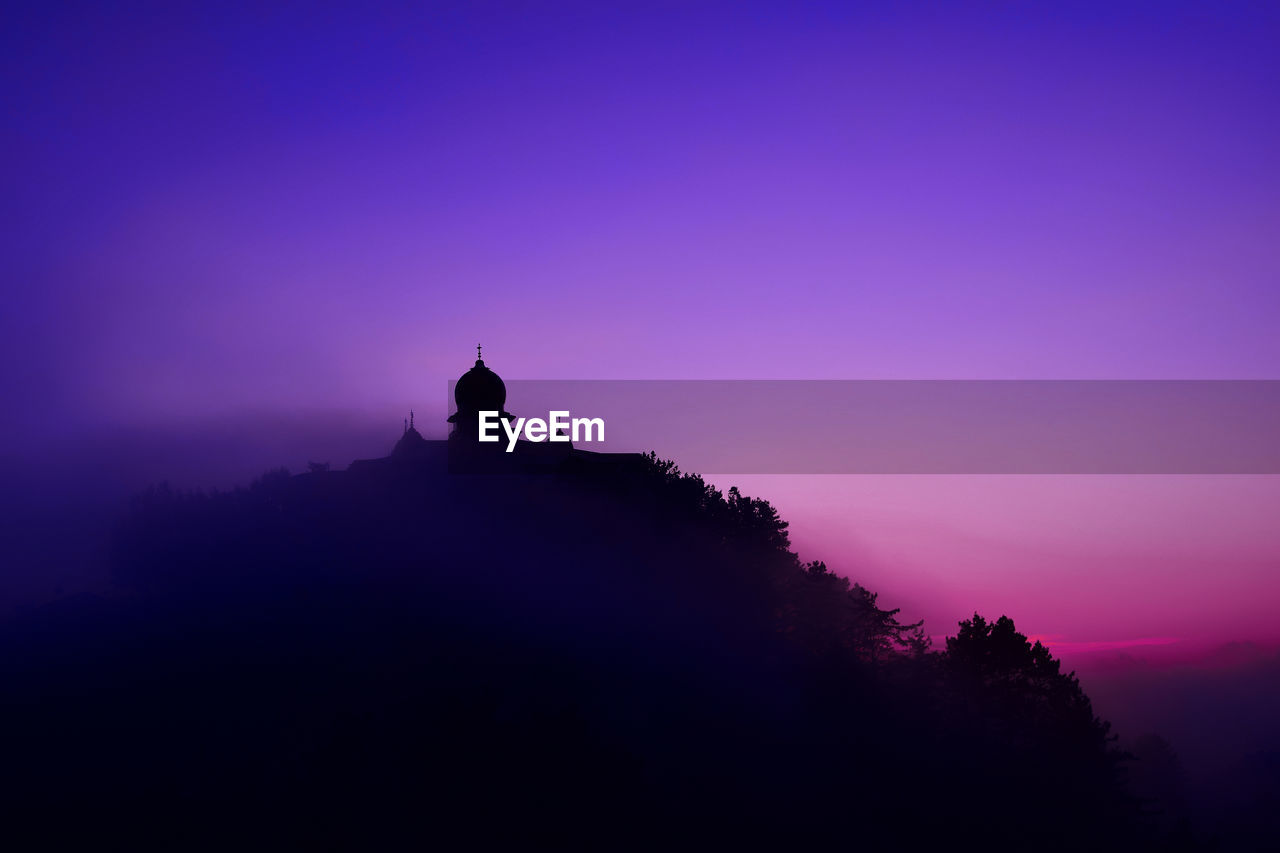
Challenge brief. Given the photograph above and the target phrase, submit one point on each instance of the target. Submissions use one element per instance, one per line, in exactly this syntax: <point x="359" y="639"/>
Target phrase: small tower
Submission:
<point x="411" y="442"/>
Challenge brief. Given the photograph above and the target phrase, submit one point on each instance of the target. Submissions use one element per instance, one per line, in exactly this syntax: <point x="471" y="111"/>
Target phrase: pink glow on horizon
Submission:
<point x="1060" y="647"/>
<point x="1083" y="559"/>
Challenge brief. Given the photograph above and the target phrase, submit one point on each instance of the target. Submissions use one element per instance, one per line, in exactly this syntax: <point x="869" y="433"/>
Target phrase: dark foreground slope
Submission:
<point x="397" y="657"/>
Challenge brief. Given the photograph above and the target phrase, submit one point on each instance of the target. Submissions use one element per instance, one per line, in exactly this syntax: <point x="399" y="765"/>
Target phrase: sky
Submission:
<point x="217" y="215"/>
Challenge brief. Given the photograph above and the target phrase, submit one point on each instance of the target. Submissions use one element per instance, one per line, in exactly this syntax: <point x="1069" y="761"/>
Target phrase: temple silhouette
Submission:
<point x="480" y="389"/>
<point x="614" y="655"/>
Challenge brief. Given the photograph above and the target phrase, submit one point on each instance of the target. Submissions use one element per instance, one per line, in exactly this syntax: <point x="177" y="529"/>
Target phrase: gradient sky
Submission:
<point x="211" y="213"/>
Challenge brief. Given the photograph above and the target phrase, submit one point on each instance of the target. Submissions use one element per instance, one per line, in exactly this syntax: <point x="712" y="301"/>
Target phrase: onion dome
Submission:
<point x="479" y="390"/>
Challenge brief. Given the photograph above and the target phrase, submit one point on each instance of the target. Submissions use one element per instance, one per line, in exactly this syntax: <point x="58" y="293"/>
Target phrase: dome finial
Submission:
<point x="477" y="352"/>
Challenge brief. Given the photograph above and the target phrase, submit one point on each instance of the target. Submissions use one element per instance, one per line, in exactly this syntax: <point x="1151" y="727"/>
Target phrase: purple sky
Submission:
<point x="211" y="214"/>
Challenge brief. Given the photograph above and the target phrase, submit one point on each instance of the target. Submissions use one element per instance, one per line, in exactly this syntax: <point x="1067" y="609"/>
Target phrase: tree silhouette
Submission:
<point x="391" y="656"/>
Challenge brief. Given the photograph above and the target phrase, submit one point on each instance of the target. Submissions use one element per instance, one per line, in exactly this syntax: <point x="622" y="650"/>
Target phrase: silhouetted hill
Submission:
<point x="392" y="657"/>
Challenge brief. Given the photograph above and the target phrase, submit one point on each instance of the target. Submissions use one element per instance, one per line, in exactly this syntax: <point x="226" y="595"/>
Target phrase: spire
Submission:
<point x="478" y="359"/>
<point x="411" y="419"/>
